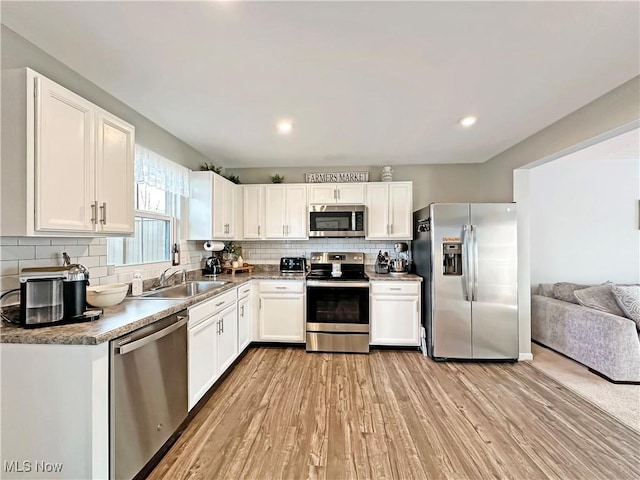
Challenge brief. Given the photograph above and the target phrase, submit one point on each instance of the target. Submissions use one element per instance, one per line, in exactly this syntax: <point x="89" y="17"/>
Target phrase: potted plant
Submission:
<point x="210" y="167"/>
<point x="277" y="178"/>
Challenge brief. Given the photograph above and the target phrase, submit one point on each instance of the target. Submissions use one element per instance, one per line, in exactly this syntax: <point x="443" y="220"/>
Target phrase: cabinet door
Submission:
<point x="201" y="206"/>
<point x="253" y="196"/>
<point x="114" y="178"/>
<point x="227" y="338"/>
<point x="244" y="323"/>
<point x="323" y="194"/>
<point x="220" y="204"/>
<point x="377" y="211"/>
<point x="395" y="320"/>
<point x="297" y="212"/>
<point x="275" y="220"/>
<point x="202" y="341"/>
<point x="281" y="317"/>
<point x="64" y="160"/>
<point x="350" y="193"/>
<point x="400" y="210"/>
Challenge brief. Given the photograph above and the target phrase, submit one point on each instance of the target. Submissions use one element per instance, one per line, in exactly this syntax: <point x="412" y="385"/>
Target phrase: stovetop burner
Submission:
<point x="349" y="264"/>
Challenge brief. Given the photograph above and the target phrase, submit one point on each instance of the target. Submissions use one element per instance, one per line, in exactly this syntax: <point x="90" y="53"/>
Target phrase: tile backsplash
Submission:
<point x="260" y="252"/>
<point x="17" y="253"/>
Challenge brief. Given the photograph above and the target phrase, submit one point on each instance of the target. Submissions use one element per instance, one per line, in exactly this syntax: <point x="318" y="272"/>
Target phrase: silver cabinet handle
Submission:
<point x="283" y="230"/>
<point x="281" y="288"/>
<point x="338" y="190"/>
<point x="395" y="288"/>
<point x="130" y="347"/>
<point x="334" y="193"/>
<point x="94" y="211"/>
<point x="103" y="209"/>
<point x="222" y="325"/>
<point x="258" y="230"/>
<point x="220" y="303"/>
<point x="242" y="310"/>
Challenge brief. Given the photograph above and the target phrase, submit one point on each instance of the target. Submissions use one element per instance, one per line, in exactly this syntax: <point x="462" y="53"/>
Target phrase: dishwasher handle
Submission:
<point x="130" y="347"/>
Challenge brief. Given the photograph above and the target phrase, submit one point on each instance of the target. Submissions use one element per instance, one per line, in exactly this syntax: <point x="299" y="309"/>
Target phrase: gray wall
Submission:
<point x="18" y="52"/>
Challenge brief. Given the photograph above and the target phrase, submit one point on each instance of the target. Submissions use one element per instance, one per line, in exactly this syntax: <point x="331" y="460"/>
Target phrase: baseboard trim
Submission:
<point x="525" y="357"/>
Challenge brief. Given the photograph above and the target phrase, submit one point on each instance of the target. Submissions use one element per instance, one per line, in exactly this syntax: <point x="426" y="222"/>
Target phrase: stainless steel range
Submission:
<point x="337" y="303"/>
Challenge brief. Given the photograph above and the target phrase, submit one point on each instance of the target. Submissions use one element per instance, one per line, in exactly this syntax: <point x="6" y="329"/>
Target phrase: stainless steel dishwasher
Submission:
<point x="148" y="392"/>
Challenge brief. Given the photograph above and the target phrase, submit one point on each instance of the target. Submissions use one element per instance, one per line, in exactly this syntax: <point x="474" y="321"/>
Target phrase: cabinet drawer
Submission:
<point x="244" y="290"/>
<point x="213" y="305"/>
<point x="287" y="286"/>
<point x="395" y="288"/>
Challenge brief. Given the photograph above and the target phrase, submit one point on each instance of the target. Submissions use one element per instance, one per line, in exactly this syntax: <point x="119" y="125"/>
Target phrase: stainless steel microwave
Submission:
<point x="337" y="220"/>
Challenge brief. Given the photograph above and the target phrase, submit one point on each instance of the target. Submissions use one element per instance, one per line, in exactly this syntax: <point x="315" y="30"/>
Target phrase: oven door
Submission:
<point x="337" y="316"/>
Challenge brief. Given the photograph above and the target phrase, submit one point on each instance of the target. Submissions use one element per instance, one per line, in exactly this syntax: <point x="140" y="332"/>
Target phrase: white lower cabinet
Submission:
<point x="227" y="338"/>
<point x="245" y="316"/>
<point x="202" y="340"/>
<point x="281" y="311"/>
<point x="395" y="313"/>
<point x="212" y="342"/>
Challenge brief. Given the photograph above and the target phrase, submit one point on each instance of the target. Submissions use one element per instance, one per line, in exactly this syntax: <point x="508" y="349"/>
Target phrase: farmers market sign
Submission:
<point x="341" y="177"/>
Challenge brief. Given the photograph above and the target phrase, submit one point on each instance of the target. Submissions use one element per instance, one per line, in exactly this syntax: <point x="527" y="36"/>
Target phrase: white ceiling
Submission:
<point x="366" y="83"/>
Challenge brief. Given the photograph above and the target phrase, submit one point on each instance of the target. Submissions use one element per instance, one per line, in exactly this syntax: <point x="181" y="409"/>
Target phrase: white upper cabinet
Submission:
<point x="253" y="207"/>
<point x="67" y="165"/>
<point x="212" y="207"/>
<point x="286" y="212"/>
<point x="114" y="179"/>
<point x="337" y="193"/>
<point x="390" y="209"/>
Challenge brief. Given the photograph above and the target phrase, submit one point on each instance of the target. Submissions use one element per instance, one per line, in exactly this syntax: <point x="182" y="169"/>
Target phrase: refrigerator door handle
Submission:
<point x="466" y="273"/>
<point x="474" y="242"/>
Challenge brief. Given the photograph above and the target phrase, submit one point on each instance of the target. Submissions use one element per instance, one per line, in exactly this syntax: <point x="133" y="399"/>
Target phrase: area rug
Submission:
<point x="620" y="401"/>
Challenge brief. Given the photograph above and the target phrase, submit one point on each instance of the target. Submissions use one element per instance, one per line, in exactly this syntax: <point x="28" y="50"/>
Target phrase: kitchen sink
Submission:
<point x="185" y="290"/>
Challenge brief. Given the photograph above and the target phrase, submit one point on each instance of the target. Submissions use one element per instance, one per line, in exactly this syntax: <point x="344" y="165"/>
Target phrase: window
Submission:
<point x="159" y="188"/>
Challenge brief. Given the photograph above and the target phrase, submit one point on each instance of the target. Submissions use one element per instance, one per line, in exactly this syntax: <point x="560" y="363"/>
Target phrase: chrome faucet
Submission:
<point x="163" y="278"/>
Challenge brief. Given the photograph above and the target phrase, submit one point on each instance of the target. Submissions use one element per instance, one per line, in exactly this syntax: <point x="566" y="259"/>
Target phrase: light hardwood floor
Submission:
<point x="284" y="413"/>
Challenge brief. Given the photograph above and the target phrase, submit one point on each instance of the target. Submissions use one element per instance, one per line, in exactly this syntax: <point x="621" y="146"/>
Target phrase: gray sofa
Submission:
<point x="608" y="344"/>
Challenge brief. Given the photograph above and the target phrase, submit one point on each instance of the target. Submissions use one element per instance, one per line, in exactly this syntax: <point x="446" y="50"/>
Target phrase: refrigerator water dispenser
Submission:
<point x="452" y="259"/>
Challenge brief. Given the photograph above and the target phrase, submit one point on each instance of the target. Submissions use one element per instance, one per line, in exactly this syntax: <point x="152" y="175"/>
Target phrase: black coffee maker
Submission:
<point x="74" y="291"/>
<point x="212" y="266"/>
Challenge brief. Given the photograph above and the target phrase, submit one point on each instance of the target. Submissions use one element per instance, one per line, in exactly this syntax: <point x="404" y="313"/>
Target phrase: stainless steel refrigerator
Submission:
<point x="467" y="255"/>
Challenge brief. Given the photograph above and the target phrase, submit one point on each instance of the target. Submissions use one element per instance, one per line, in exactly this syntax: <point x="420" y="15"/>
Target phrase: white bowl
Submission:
<point x="103" y="296"/>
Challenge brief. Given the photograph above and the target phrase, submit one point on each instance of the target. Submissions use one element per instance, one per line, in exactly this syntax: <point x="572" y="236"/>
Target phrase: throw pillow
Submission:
<point x="628" y="298"/>
<point x="599" y="298"/>
<point x="564" y="291"/>
<point x="546" y="290"/>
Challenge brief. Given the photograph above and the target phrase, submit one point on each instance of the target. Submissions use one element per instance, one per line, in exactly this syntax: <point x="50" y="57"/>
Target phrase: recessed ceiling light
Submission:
<point x="285" y="127"/>
<point x="468" y="121"/>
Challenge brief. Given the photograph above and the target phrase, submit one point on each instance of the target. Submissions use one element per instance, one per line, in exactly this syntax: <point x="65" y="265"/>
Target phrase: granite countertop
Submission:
<point x="408" y="277"/>
<point x="136" y="312"/>
<point x="131" y="314"/>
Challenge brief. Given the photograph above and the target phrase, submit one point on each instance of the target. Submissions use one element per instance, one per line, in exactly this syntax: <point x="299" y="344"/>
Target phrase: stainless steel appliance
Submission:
<point x="54" y="295"/>
<point x="41" y="300"/>
<point x="467" y="255"/>
<point x="402" y="263"/>
<point x="148" y="392"/>
<point x="337" y="304"/>
<point x="292" y="265"/>
<point x="337" y="220"/>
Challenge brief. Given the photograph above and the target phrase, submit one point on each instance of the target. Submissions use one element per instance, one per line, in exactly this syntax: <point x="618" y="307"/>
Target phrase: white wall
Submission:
<point x="584" y="215"/>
